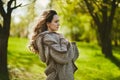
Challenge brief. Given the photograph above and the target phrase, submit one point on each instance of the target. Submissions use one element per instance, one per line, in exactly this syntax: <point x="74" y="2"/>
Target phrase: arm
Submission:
<point x="75" y="51"/>
<point x="39" y="43"/>
<point x="58" y="50"/>
<point x="58" y="46"/>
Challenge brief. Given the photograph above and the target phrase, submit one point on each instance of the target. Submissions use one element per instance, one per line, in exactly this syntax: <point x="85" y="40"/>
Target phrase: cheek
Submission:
<point x="53" y="25"/>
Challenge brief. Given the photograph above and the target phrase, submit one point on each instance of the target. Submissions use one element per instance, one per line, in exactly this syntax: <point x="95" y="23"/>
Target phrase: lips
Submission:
<point x="57" y="27"/>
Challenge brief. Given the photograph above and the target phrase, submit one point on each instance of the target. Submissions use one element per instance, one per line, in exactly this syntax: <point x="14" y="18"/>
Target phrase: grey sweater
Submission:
<point x="58" y="54"/>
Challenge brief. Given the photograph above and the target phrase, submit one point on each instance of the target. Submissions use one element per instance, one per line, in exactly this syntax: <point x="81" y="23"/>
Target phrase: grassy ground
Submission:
<point x="92" y="65"/>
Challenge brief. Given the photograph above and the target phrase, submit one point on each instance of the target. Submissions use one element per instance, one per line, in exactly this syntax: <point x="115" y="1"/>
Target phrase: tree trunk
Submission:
<point x="106" y="47"/>
<point x="4" y="35"/>
<point x="5" y="13"/>
<point x="116" y="42"/>
<point x="105" y="40"/>
<point x="3" y="57"/>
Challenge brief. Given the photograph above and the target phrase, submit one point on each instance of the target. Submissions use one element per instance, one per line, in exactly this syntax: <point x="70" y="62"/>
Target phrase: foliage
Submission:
<point x="75" y="22"/>
<point x="116" y="28"/>
<point x="92" y="65"/>
<point x="25" y="20"/>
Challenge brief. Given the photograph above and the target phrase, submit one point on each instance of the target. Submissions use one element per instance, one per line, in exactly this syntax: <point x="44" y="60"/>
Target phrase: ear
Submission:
<point x="48" y="24"/>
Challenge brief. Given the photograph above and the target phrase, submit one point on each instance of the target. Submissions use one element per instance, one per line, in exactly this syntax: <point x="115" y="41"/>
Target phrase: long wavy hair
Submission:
<point x="41" y="26"/>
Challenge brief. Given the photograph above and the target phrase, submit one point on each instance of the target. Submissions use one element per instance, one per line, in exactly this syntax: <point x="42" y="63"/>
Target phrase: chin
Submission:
<point x="56" y="30"/>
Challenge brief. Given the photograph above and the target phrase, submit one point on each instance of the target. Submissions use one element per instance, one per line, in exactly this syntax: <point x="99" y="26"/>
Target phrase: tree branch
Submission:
<point x="112" y="13"/>
<point x="0" y="25"/>
<point x="94" y="15"/>
<point x="9" y="6"/>
<point x="96" y="4"/>
<point x="2" y="11"/>
<point x="104" y="11"/>
<point x="9" y="3"/>
<point x="16" y="6"/>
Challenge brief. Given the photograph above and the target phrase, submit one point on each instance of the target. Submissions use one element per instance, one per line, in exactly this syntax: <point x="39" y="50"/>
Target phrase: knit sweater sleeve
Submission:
<point x="59" y="46"/>
<point x="58" y="50"/>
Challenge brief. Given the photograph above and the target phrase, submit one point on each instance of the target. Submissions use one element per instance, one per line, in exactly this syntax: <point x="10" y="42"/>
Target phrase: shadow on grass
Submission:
<point x="115" y="60"/>
<point x="25" y="60"/>
<point x="117" y="78"/>
<point x="116" y="48"/>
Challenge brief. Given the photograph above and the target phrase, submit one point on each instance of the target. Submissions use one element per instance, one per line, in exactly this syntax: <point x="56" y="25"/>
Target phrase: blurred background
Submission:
<point x="93" y="24"/>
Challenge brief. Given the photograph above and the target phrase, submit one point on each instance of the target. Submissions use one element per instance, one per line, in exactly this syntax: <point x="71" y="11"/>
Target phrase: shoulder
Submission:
<point x="50" y="38"/>
<point x="47" y="33"/>
<point x="51" y="35"/>
<point x="43" y="34"/>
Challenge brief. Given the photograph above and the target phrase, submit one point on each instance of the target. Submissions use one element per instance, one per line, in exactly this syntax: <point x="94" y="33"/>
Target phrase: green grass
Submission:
<point x="23" y="65"/>
<point x="92" y="65"/>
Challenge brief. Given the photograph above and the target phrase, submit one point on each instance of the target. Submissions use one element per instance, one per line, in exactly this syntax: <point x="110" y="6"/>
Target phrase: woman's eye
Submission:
<point x="57" y="21"/>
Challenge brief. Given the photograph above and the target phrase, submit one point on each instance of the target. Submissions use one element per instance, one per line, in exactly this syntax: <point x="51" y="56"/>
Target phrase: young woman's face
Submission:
<point x="54" y="24"/>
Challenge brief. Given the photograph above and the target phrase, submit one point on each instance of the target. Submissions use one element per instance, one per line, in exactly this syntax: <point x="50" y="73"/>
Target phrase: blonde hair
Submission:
<point x="41" y="26"/>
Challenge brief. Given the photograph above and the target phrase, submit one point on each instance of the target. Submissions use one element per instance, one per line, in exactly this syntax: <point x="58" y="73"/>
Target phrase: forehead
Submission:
<point x="55" y="17"/>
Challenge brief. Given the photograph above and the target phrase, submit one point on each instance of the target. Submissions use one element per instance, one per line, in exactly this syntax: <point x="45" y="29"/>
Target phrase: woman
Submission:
<point x="53" y="49"/>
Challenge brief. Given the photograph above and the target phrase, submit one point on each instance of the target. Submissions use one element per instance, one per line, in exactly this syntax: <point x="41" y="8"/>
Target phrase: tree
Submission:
<point x="102" y="12"/>
<point x="4" y="35"/>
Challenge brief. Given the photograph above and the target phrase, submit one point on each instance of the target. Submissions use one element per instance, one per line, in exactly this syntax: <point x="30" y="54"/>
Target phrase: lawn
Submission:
<point x="92" y="65"/>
